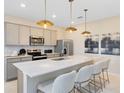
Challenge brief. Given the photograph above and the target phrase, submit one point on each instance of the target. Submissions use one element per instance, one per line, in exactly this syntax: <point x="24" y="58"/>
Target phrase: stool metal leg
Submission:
<point x="103" y="78"/>
<point x="94" y="83"/>
<point x="107" y="76"/>
<point x="89" y="88"/>
<point x="100" y="83"/>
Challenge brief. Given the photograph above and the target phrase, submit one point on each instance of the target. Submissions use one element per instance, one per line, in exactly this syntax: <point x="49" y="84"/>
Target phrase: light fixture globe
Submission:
<point x="45" y="23"/>
<point x="86" y="33"/>
<point x="71" y="29"/>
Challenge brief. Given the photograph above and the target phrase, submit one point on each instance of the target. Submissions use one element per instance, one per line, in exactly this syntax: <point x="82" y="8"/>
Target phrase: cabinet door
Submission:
<point x="24" y="34"/>
<point x="26" y="59"/>
<point x="11" y="34"/>
<point x="53" y="37"/>
<point x="36" y="32"/>
<point x="11" y="71"/>
<point x="47" y="37"/>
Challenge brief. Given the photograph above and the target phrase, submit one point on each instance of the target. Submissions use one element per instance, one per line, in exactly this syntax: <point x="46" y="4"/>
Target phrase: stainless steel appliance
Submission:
<point x="36" y="54"/>
<point x="65" y="47"/>
<point x="48" y="51"/>
<point x="35" y="41"/>
<point x="22" y="52"/>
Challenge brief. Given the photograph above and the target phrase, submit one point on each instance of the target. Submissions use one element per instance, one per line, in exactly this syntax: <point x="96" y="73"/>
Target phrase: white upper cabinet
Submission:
<point x="53" y="37"/>
<point x="11" y="34"/>
<point x="36" y="32"/>
<point x="24" y="34"/>
<point x="47" y="37"/>
<point x="17" y="34"/>
<point x="50" y="37"/>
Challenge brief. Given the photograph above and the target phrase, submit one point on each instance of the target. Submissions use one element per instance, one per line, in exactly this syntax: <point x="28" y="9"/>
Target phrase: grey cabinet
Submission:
<point x="10" y="69"/>
<point x="52" y="55"/>
<point x="26" y="59"/>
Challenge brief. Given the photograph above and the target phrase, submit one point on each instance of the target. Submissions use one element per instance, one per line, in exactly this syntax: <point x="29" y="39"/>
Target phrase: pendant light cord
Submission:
<point x="70" y="13"/>
<point x="45" y="8"/>
<point x="85" y="19"/>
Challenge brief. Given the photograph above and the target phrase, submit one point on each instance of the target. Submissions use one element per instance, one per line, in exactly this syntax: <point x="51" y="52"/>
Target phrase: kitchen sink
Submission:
<point x="59" y="59"/>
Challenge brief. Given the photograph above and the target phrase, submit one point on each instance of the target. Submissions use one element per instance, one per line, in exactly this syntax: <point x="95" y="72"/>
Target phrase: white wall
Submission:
<point x="107" y="25"/>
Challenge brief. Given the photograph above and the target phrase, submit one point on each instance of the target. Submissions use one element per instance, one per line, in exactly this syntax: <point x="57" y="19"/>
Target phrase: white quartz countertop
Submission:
<point x="41" y="67"/>
<point x="21" y="56"/>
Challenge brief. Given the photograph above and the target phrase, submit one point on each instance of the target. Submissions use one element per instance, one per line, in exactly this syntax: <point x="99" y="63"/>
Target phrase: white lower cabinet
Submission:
<point x="10" y="69"/>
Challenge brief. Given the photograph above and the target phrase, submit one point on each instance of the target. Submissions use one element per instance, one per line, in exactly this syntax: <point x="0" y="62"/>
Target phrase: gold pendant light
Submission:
<point x="86" y="33"/>
<point x="45" y="23"/>
<point x="70" y="28"/>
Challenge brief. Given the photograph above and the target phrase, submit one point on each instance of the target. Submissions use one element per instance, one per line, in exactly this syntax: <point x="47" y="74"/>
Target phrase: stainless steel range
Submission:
<point x="36" y="54"/>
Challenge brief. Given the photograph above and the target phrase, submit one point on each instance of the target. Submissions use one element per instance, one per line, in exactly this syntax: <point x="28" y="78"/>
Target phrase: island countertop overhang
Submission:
<point x="46" y="66"/>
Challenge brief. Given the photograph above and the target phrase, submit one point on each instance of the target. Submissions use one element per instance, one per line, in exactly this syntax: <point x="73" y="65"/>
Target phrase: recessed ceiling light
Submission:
<point x="22" y="5"/>
<point x="72" y="22"/>
<point x="53" y="16"/>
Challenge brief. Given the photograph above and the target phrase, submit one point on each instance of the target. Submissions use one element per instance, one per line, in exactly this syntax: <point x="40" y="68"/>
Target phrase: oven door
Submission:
<point x="39" y="57"/>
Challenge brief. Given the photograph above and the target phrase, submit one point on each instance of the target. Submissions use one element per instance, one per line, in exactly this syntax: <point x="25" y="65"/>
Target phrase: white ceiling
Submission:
<point x="34" y="10"/>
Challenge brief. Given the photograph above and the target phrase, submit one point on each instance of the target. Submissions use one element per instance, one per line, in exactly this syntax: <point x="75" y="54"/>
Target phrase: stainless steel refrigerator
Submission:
<point x="64" y="47"/>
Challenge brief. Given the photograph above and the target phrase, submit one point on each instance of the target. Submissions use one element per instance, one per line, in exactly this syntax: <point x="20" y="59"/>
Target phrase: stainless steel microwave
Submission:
<point x="35" y="41"/>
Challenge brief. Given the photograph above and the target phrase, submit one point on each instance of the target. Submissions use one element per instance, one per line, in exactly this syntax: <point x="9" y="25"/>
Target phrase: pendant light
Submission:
<point x="70" y="28"/>
<point x="45" y="23"/>
<point x="86" y="32"/>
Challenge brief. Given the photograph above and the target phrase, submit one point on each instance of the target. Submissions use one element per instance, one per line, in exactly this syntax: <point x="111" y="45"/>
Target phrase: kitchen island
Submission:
<point x="33" y="72"/>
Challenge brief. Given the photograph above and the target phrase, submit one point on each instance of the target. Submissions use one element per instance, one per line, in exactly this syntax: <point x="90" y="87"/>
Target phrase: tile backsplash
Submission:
<point x="8" y="50"/>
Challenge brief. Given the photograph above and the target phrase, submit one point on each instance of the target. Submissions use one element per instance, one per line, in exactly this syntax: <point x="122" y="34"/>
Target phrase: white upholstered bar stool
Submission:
<point x="62" y="84"/>
<point x="83" y="78"/>
<point x="97" y="70"/>
<point x="105" y="68"/>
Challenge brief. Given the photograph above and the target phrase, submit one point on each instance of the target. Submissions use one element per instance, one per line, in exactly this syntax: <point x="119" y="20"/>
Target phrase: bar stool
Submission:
<point x="97" y="70"/>
<point x="62" y="84"/>
<point x="105" y="68"/>
<point x="83" y="78"/>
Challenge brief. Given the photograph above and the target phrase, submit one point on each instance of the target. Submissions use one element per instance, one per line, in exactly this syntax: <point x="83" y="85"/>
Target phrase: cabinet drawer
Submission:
<point x="26" y="59"/>
<point x="13" y="60"/>
<point x="57" y="55"/>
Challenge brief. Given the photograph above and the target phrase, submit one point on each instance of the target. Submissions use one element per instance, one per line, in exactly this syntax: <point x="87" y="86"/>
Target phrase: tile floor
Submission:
<point x="113" y="87"/>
